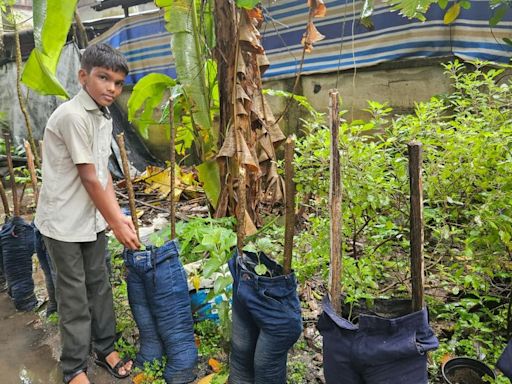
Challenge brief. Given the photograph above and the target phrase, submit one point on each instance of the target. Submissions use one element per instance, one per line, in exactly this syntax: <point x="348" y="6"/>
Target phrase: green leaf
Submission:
<point x="261" y="269"/>
<point x="52" y="20"/>
<point x="210" y="177"/>
<point x="466" y="4"/>
<point x="451" y="15"/>
<point x="221" y="284"/>
<point x="368" y="8"/>
<point x="247" y="4"/>
<point x="507" y="41"/>
<point x="498" y="15"/>
<point x="442" y="3"/>
<point x="148" y="94"/>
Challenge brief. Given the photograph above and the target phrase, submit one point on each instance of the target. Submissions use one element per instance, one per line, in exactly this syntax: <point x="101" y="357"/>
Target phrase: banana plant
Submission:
<point x="52" y="20"/>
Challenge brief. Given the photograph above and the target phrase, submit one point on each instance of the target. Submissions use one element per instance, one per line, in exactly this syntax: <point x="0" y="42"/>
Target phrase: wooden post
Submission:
<point x="5" y="202"/>
<point x="14" y="191"/>
<point x="335" y="200"/>
<point x="172" y="172"/>
<point x="32" y="170"/>
<point x="128" y="180"/>
<point x="416" y="225"/>
<point x="289" y="148"/>
<point x="241" y="207"/>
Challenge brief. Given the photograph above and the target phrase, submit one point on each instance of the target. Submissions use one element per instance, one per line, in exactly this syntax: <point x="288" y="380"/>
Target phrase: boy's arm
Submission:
<point x="106" y="202"/>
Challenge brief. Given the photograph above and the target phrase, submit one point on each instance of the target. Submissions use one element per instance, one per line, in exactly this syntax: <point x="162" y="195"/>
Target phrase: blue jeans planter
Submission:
<point x="377" y="350"/>
<point x="48" y="270"/>
<point x="17" y="238"/>
<point x="505" y="361"/>
<point x="160" y="303"/>
<point x="266" y="321"/>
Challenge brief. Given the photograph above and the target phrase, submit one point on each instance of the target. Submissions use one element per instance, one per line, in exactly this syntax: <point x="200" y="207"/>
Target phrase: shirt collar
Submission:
<point x="90" y="105"/>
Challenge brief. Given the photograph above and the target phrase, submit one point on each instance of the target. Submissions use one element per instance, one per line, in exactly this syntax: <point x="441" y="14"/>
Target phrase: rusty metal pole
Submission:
<point x="416" y="225"/>
<point x="335" y="200"/>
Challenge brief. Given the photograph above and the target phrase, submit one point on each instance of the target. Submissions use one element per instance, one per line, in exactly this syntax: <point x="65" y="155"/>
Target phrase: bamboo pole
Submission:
<point x="335" y="200"/>
<point x="14" y="191"/>
<point x="416" y="225"/>
<point x="289" y="148"/>
<point x="32" y="170"/>
<point x="128" y="180"/>
<point x="172" y="204"/>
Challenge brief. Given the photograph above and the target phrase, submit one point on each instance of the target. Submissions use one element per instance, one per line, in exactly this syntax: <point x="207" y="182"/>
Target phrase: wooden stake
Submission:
<point x="241" y="208"/>
<point x="172" y="205"/>
<point x="14" y="191"/>
<point x="5" y="202"/>
<point x="416" y="219"/>
<point x="335" y="200"/>
<point x="289" y="148"/>
<point x="128" y="180"/>
<point x="32" y="170"/>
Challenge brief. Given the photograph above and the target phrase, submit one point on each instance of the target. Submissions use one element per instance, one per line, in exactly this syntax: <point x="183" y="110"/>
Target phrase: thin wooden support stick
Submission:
<point x="242" y="190"/>
<point x="172" y="172"/>
<point x="289" y="229"/>
<point x="335" y="200"/>
<point x="416" y="225"/>
<point x="128" y="179"/>
<point x="32" y="170"/>
<point x="5" y="202"/>
<point x="14" y="191"/>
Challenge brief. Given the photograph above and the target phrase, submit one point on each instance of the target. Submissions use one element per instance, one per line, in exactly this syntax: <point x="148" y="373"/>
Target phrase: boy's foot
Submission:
<point x="81" y="378"/>
<point x="115" y="365"/>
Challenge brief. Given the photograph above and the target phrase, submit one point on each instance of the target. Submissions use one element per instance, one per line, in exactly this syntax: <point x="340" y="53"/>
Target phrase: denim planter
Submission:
<point x="505" y="361"/>
<point x="49" y="273"/>
<point x="377" y="350"/>
<point x="160" y="303"/>
<point x="17" y="238"/>
<point x="266" y="321"/>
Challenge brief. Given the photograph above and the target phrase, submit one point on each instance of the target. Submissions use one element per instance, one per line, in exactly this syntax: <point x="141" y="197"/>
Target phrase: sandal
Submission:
<point x="70" y="376"/>
<point x="101" y="361"/>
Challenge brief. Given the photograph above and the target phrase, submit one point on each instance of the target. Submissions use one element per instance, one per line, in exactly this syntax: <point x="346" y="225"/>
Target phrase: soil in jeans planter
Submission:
<point x="464" y="375"/>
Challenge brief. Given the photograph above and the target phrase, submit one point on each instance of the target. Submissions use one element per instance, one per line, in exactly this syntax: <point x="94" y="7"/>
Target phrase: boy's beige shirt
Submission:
<point x="76" y="133"/>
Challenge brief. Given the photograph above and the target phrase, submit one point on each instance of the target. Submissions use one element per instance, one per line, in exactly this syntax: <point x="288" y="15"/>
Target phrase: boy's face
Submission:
<point x="102" y="84"/>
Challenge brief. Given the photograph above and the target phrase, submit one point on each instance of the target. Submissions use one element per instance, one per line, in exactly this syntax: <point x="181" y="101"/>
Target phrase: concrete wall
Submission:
<point x="401" y="87"/>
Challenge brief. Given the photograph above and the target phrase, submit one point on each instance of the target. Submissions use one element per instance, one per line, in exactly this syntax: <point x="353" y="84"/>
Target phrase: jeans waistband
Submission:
<point x="239" y="271"/>
<point x="368" y="323"/>
<point x="152" y="256"/>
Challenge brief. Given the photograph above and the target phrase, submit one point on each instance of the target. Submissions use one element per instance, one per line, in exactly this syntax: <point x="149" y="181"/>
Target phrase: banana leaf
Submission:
<point x="181" y="22"/>
<point x="52" y="20"/>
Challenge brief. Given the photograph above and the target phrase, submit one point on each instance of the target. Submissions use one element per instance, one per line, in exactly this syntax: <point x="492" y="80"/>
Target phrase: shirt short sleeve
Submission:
<point x="78" y="137"/>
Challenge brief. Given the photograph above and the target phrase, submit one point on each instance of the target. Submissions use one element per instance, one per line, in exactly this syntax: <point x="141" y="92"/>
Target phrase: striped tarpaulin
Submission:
<point x="347" y="44"/>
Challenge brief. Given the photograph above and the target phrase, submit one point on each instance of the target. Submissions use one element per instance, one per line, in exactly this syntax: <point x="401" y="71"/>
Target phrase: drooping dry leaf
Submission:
<point x="310" y="37"/>
<point x="207" y="379"/>
<point x="250" y="36"/>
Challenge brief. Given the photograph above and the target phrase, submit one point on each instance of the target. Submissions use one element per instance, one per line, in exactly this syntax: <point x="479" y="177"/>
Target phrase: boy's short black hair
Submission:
<point x="103" y="55"/>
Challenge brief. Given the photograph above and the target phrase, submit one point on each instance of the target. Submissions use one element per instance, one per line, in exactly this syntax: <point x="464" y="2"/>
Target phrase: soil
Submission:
<point x="464" y="376"/>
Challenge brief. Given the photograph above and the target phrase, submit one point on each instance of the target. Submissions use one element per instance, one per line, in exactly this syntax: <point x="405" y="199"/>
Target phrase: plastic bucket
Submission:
<point x="465" y="370"/>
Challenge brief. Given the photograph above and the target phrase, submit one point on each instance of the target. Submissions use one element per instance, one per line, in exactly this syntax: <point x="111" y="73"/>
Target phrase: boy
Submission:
<point x="77" y="197"/>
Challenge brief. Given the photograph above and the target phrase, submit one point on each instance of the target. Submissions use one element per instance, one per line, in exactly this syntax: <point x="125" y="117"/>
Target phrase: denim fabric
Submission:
<point x="505" y="361"/>
<point x="377" y="350"/>
<point x="49" y="273"/>
<point x="266" y="322"/>
<point x="3" y="281"/>
<point x="160" y="303"/>
<point x="17" y="238"/>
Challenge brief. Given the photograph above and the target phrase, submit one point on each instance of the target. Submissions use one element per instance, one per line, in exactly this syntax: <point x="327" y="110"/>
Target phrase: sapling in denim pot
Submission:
<point x="266" y="310"/>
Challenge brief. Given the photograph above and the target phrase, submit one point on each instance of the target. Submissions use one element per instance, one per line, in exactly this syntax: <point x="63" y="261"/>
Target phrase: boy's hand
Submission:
<point x="125" y="233"/>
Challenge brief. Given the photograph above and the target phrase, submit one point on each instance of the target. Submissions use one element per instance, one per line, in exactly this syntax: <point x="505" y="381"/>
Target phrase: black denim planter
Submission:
<point x="266" y="321"/>
<point x="505" y="361"/>
<point x="377" y="350"/>
<point x="17" y="239"/>
<point x="160" y="303"/>
<point x="49" y="273"/>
